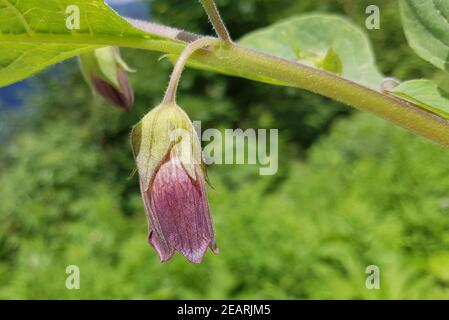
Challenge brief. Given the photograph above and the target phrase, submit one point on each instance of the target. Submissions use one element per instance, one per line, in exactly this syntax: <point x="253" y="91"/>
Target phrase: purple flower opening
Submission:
<point x="178" y="212"/>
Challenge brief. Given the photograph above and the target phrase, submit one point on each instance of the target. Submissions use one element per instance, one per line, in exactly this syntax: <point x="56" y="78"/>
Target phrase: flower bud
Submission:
<point x="106" y="73"/>
<point x="172" y="177"/>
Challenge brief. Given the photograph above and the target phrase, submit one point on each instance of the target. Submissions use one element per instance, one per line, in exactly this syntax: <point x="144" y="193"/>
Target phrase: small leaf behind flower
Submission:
<point x="426" y="94"/>
<point x="136" y="139"/>
<point x="331" y="62"/>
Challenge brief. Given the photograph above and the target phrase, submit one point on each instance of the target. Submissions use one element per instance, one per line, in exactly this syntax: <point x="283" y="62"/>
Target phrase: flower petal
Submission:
<point x="165" y="253"/>
<point x="179" y="213"/>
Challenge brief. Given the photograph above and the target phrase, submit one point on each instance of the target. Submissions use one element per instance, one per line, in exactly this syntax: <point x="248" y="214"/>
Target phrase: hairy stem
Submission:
<point x="216" y="20"/>
<point x="170" y="95"/>
<point x="246" y="63"/>
<point x="165" y="31"/>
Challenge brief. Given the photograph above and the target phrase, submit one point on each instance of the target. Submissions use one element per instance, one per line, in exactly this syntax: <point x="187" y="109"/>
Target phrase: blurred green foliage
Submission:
<point x="352" y="190"/>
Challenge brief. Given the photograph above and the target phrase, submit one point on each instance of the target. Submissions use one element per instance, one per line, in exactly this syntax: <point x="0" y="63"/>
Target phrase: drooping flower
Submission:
<point x="106" y="73"/>
<point x="172" y="182"/>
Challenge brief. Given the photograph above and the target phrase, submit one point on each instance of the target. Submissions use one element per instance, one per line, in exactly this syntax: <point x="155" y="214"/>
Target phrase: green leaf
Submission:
<point x="424" y="93"/>
<point x="34" y="33"/>
<point x="340" y="45"/>
<point x="426" y="26"/>
<point x="331" y="62"/>
<point x="21" y="60"/>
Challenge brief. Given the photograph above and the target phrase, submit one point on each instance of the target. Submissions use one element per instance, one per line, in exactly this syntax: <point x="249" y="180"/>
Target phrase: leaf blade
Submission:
<point x="318" y="34"/>
<point x="424" y="93"/>
<point x="426" y="26"/>
<point x="34" y="34"/>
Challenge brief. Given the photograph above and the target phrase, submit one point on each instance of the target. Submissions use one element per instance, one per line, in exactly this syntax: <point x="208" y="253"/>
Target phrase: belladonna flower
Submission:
<point x="106" y="73"/>
<point x="172" y="182"/>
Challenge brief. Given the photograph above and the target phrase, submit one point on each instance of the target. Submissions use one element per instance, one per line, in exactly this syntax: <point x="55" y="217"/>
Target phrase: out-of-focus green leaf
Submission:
<point x="34" y="34"/>
<point x="426" y="25"/>
<point x="342" y="46"/>
<point x="331" y="62"/>
<point x="439" y="266"/>
<point x="424" y="93"/>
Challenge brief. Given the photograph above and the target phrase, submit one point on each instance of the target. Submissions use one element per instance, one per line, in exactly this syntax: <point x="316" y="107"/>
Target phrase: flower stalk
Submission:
<point x="170" y="95"/>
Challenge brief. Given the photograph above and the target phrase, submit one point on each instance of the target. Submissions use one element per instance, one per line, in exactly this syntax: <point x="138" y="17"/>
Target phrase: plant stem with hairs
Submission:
<point x="170" y="95"/>
<point x="229" y="58"/>
<point x="214" y="16"/>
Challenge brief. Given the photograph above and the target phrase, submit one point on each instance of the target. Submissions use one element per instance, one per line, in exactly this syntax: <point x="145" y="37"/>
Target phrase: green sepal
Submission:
<point x="156" y="137"/>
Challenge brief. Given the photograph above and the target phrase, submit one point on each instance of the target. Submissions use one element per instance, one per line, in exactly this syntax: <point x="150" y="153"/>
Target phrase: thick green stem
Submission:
<point x="250" y="64"/>
<point x="243" y="62"/>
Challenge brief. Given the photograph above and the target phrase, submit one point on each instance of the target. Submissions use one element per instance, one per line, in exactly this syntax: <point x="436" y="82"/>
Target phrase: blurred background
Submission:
<point x="352" y="190"/>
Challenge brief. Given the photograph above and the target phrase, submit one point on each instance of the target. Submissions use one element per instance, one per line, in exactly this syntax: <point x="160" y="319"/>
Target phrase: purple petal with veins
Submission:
<point x="179" y="214"/>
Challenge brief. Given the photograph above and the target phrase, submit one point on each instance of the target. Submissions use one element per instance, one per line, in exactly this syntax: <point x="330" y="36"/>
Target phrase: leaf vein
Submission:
<point x="19" y="15"/>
